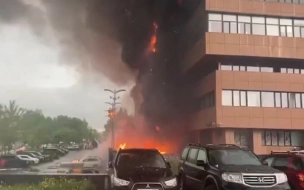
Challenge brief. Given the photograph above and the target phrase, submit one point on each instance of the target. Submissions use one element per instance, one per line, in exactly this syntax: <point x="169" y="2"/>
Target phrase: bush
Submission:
<point x="54" y="184"/>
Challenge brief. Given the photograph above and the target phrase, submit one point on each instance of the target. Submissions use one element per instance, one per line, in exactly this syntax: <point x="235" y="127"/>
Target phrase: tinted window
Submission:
<point x="202" y="155"/>
<point x="269" y="160"/>
<point x="232" y="157"/>
<point x="184" y="154"/>
<point x="192" y="155"/>
<point x="92" y="160"/>
<point x="281" y="163"/>
<point x="139" y="158"/>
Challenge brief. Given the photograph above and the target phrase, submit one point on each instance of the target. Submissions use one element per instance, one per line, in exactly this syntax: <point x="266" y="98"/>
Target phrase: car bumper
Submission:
<point x="133" y="187"/>
<point x="229" y="186"/>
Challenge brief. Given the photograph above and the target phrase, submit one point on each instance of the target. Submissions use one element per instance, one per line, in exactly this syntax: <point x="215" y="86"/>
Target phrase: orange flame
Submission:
<point x="124" y="145"/>
<point x="153" y="40"/>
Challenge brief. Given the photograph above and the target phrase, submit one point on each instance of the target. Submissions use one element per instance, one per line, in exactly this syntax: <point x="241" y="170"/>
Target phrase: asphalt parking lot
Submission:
<point x="73" y="155"/>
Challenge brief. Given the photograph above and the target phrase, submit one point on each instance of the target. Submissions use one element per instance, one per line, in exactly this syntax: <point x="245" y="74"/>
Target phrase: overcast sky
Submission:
<point x="31" y="74"/>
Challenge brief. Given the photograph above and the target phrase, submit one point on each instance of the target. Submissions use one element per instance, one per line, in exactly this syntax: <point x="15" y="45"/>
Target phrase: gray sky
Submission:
<point x="31" y="74"/>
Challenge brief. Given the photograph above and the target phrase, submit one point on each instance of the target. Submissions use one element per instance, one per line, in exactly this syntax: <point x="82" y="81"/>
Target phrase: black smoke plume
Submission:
<point x="111" y="37"/>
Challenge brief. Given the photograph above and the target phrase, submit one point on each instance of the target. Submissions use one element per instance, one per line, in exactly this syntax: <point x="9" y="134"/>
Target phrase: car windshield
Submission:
<point x="232" y="157"/>
<point x="136" y="159"/>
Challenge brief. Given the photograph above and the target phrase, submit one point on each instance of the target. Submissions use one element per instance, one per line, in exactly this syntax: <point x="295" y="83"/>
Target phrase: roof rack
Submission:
<point x="286" y="152"/>
<point x="194" y="144"/>
<point x="228" y="145"/>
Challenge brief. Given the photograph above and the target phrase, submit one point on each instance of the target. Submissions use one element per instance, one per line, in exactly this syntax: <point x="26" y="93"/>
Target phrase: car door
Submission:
<point x="200" y="171"/>
<point x="284" y="164"/>
<point x="190" y="167"/>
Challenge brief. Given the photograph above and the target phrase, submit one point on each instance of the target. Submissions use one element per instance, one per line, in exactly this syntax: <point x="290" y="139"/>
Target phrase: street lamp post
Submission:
<point x="112" y="112"/>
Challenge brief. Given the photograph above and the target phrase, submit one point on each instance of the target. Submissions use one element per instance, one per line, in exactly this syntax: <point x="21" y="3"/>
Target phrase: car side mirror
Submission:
<point x="169" y="165"/>
<point x="110" y="165"/>
<point x="265" y="163"/>
<point x="200" y="163"/>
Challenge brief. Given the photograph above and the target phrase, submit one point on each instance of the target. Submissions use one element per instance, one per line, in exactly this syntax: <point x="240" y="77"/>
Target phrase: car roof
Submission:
<point x="216" y="146"/>
<point x="138" y="149"/>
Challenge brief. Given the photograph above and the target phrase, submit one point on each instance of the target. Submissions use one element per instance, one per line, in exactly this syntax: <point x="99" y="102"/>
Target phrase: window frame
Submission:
<point x="263" y="139"/>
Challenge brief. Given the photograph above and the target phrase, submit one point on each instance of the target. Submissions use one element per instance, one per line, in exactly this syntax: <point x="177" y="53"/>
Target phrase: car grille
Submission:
<point x="155" y="186"/>
<point x="259" y="180"/>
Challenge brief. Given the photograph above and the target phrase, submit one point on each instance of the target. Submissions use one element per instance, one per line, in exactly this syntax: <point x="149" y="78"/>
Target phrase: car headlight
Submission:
<point x="120" y="182"/>
<point x="281" y="178"/>
<point x="171" y="182"/>
<point x="232" y="177"/>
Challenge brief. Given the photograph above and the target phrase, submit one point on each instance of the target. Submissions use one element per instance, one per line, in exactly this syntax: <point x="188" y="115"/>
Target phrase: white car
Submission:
<point x="91" y="162"/>
<point x="28" y="158"/>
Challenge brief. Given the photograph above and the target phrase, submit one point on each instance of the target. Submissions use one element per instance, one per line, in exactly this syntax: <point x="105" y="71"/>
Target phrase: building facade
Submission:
<point x="248" y="63"/>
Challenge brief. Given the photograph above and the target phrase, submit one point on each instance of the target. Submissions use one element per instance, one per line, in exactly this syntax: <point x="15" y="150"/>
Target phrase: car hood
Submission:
<point x="248" y="169"/>
<point x="142" y="174"/>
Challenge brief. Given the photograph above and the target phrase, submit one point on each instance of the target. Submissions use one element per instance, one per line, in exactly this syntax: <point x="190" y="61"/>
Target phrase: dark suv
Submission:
<point x="141" y="169"/>
<point x="227" y="167"/>
<point x="292" y="164"/>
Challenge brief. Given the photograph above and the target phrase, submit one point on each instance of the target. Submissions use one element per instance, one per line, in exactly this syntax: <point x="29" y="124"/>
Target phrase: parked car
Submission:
<point x="141" y="169"/>
<point x="227" y="167"/>
<point x="74" y="147"/>
<point x="91" y="162"/>
<point x="12" y="161"/>
<point x="28" y="158"/>
<point x="41" y="158"/>
<point x="291" y="163"/>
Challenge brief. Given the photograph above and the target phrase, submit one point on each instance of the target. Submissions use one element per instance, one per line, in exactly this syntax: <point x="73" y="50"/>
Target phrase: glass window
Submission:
<point x="281" y="138"/>
<point x="227" y="98"/>
<point x="298" y="100"/>
<point x="242" y="68"/>
<point x="272" y="30"/>
<point x="269" y="160"/>
<point x="284" y="100"/>
<point x="287" y="138"/>
<point x="267" y="69"/>
<point x="235" y="68"/>
<point x="274" y="138"/>
<point x="281" y="163"/>
<point x="283" y="70"/>
<point x="245" y="19"/>
<point x="254" y="99"/>
<point x="192" y="155"/>
<point x="263" y="138"/>
<point x="229" y="17"/>
<point x="236" y="98"/>
<point x="286" y="22"/>
<point x="267" y="99"/>
<point x="267" y="138"/>
<point x="253" y="68"/>
<point x="202" y="155"/>
<point x="302" y="100"/>
<point x="289" y="70"/>
<point x="258" y="29"/>
<point x="185" y="153"/>
<point x="215" y="26"/>
<point x="244" y="28"/>
<point x="296" y="71"/>
<point x="278" y="100"/>
<point x="226" y="67"/>
<point x="243" y="98"/>
<point x="296" y="138"/>
<point x="292" y="100"/>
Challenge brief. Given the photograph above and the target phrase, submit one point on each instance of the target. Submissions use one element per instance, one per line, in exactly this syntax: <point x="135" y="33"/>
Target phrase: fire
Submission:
<point x="124" y="145"/>
<point x="153" y="40"/>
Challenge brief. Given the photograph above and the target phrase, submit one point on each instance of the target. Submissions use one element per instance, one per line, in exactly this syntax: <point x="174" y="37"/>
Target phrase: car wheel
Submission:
<point x="210" y="187"/>
<point x="181" y="181"/>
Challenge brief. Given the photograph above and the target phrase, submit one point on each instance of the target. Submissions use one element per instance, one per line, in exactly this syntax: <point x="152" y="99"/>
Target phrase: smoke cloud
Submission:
<point x="110" y="37"/>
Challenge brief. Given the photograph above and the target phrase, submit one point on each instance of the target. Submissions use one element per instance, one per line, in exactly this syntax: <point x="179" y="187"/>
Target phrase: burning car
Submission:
<point x="137" y="168"/>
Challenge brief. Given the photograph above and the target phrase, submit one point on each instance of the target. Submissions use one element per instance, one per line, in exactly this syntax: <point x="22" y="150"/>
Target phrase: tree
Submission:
<point x="35" y="129"/>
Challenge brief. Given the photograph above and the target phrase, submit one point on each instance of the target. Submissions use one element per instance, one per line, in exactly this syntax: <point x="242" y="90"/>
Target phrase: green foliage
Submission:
<point x="33" y="128"/>
<point x="54" y="184"/>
